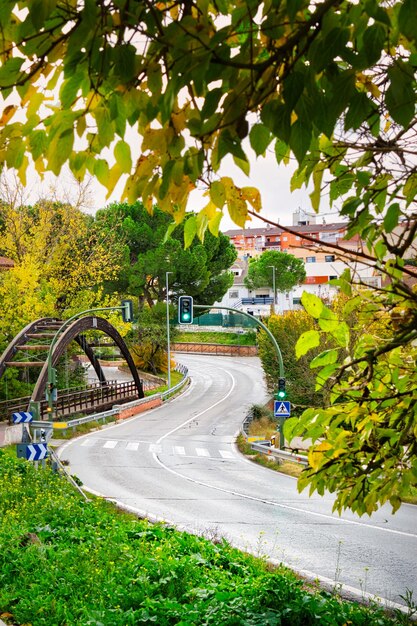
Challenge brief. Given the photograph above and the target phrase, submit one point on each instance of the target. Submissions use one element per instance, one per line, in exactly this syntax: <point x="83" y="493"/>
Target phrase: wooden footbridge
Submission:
<point x="49" y="338"/>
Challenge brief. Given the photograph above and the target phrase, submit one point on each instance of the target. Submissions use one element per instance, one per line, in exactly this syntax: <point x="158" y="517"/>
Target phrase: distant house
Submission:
<point x="322" y="263"/>
<point x="5" y="263"/>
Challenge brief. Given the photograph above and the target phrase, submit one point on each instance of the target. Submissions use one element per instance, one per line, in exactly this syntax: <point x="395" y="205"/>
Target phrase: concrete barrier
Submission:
<point x="135" y="410"/>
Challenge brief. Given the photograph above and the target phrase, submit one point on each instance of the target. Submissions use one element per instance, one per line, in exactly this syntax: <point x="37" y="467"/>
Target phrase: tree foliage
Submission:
<point x="289" y="271"/>
<point x="300" y="379"/>
<point x="365" y="441"/>
<point x="331" y="83"/>
<point x="200" y="270"/>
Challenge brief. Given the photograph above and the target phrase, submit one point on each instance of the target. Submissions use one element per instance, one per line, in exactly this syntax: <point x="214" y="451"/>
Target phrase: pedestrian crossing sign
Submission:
<point x="282" y="408"/>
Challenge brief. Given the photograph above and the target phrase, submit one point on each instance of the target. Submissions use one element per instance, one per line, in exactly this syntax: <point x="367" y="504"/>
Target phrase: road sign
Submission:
<point x="282" y="408"/>
<point x="32" y="451"/>
<point x="22" y="417"/>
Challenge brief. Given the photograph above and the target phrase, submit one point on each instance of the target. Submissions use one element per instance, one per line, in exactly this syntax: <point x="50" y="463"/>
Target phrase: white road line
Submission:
<point x="194" y="417"/>
<point x="179" y="450"/>
<point x="110" y="444"/>
<point x="132" y="445"/>
<point x="227" y="454"/>
<point x="87" y="443"/>
<point x="154" y="448"/>
<point x="202" y="452"/>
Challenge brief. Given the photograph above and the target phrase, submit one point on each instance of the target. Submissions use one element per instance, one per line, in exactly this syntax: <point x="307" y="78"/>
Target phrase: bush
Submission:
<point x="66" y="562"/>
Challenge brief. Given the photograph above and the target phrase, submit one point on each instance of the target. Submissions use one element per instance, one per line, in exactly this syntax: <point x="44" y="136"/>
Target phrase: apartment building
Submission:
<point x="308" y="242"/>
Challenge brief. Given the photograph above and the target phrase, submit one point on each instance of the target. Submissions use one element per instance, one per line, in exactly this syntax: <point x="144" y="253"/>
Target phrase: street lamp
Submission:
<point x="273" y="287"/>
<point x="168" y="337"/>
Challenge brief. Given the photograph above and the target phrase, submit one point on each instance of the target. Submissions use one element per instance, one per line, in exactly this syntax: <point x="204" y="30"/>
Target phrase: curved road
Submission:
<point x="178" y="463"/>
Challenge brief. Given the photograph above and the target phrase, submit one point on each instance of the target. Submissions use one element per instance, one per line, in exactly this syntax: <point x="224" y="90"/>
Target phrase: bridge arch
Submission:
<point x="73" y="332"/>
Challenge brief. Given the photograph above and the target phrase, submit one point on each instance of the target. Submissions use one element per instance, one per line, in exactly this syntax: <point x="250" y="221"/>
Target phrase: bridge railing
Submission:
<point x="77" y="399"/>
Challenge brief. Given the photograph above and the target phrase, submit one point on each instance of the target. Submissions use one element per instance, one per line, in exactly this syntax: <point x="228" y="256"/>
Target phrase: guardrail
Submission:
<point x="96" y="417"/>
<point x="265" y="448"/>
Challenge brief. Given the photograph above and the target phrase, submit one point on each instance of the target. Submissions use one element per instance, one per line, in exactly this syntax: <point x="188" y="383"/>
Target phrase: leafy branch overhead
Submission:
<point x="159" y="93"/>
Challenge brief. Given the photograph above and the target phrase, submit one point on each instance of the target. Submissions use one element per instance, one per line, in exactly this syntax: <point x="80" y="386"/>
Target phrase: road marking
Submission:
<point x="191" y="419"/>
<point x="179" y="450"/>
<point x="110" y="444"/>
<point x="154" y="448"/>
<point x="132" y="445"/>
<point x="87" y="443"/>
<point x="202" y="452"/>
<point x="227" y="454"/>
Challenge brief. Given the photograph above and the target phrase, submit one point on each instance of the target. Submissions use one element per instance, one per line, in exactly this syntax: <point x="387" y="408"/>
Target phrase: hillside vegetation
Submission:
<point x="65" y="561"/>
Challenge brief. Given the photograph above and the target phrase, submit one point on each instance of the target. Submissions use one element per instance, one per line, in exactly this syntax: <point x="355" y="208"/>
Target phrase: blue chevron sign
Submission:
<point x="22" y="417"/>
<point x="32" y="451"/>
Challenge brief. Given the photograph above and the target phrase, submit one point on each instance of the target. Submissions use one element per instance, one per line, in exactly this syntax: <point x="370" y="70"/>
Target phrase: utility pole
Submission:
<point x="168" y="336"/>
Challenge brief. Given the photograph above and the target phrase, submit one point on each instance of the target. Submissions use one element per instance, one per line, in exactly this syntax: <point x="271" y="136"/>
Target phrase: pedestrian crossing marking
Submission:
<point x="226" y="454"/>
<point x="154" y="448"/>
<point x="110" y="444"/>
<point x="87" y="443"/>
<point x="202" y="452"/>
<point x="132" y="445"/>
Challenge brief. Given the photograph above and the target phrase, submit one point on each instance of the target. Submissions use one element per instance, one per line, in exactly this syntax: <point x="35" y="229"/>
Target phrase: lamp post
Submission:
<point x="168" y="337"/>
<point x="273" y="287"/>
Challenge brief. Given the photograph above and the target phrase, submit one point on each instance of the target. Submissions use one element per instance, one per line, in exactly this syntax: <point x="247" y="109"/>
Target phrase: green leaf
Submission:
<point x="410" y="188"/>
<point x="400" y="97"/>
<point x="123" y="156"/>
<point x="217" y="194"/>
<point x="260" y="138"/>
<point x="214" y="224"/>
<point x="59" y="150"/>
<point x="341" y="333"/>
<point x="391" y="217"/>
<point x="325" y="358"/>
<point x="169" y="231"/>
<point x="312" y="304"/>
<point x="300" y="139"/>
<point x="407" y="18"/>
<point x="308" y="340"/>
<point x="190" y="230"/>
<point x="101" y="171"/>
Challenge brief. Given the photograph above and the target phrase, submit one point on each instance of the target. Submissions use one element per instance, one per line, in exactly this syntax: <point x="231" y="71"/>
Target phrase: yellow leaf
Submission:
<point x="252" y="195"/>
<point x="7" y="114"/>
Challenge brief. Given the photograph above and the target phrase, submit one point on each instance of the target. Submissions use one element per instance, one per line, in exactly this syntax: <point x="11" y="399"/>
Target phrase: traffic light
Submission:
<point x="281" y="389"/>
<point x="185" y="310"/>
<point x="127" y="310"/>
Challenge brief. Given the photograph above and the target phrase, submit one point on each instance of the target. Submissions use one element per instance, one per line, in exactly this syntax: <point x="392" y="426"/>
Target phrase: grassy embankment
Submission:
<point x="67" y="562"/>
<point x="226" y="338"/>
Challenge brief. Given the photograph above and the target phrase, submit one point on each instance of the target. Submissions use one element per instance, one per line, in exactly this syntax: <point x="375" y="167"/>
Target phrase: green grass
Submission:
<point x="68" y="562"/>
<point x="234" y="339"/>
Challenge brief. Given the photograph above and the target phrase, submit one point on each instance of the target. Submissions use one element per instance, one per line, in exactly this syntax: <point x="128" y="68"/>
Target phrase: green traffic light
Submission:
<point x="281" y="394"/>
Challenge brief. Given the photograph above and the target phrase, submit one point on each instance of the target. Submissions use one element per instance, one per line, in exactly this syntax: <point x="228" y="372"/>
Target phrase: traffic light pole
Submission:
<point x="259" y="323"/>
<point x="277" y="350"/>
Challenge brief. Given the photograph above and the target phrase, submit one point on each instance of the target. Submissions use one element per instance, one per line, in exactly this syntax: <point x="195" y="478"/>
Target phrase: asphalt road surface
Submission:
<point x="178" y="463"/>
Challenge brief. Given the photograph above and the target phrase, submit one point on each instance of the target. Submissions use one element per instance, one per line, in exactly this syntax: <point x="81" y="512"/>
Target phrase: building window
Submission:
<point x="296" y="300"/>
<point x="233" y="294"/>
<point x="285" y="239"/>
<point x="310" y="259"/>
<point x="329" y="258"/>
<point x="333" y="277"/>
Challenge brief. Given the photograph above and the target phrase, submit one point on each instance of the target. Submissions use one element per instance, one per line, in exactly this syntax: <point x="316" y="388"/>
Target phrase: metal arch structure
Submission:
<point x="44" y="324"/>
<point x="20" y="340"/>
<point x="73" y="332"/>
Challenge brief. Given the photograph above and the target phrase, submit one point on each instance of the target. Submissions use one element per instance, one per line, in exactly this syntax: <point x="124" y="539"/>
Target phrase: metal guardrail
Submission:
<point x="95" y="417"/>
<point x="265" y="448"/>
